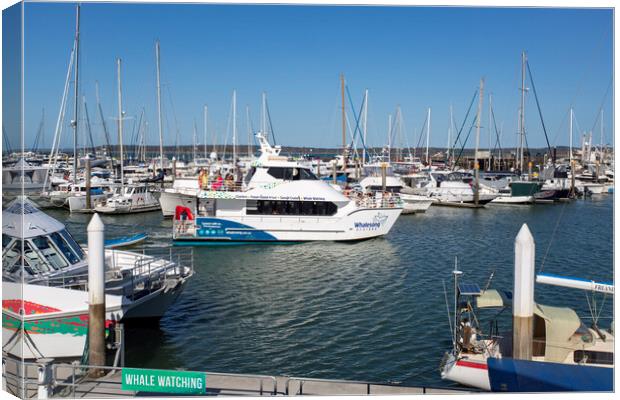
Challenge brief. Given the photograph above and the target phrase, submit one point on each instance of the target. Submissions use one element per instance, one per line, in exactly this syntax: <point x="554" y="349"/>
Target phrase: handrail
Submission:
<point x="77" y="367"/>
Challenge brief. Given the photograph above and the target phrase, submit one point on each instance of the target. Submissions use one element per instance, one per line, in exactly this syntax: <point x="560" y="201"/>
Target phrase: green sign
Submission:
<point x="164" y="381"/>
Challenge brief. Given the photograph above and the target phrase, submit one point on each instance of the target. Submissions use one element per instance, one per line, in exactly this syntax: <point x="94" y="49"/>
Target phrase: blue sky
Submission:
<point x="409" y="56"/>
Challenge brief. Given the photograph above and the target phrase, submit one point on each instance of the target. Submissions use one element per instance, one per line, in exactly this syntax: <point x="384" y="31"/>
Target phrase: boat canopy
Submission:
<point x="561" y="323"/>
<point x="490" y="298"/>
<point x="33" y="223"/>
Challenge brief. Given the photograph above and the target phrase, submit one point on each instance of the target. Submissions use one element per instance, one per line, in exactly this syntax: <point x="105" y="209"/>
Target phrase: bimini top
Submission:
<point x="34" y="222"/>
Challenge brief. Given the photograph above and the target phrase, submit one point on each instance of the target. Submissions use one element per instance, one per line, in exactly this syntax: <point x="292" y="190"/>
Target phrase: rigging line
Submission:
<point x="471" y="103"/>
<point x="538" y="106"/>
<point x="473" y="123"/>
<point x="421" y="133"/>
<point x="273" y="134"/>
<point x="555" y="229"/>
<point x="600" y="310"/>
<point x="602" y="103"/>
<point x="445" y="294"/>
<point x="357" y="118"/>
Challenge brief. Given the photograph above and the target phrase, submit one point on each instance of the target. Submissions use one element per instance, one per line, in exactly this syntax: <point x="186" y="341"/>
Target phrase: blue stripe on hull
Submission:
<point x="510" y="375"/>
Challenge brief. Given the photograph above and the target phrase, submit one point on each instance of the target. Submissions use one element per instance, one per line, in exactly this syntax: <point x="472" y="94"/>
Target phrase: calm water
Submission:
<point x="373" y="310"/>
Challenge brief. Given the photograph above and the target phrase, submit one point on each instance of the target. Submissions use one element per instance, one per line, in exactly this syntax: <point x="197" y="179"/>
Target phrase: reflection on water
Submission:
<point x="372" y="310"/>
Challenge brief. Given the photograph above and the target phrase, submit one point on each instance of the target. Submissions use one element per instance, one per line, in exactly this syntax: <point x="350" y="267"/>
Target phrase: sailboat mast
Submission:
<point x="76" y="91"/>
<point x="365" y="126"/>
<point x="264" y="115"/>
<point x="490" y="107"/>
<point x="522" y="114"/>
<point x="428" y="135"/>
<point x="450" y="133"/>
<point x="205" y="128"/>
<point x="344" y="124"/>
<point x="247" y="119"/>
<point x="476" y="165"/>
<point x="120" y="118"/>
<point x="390" y="138"/>
<point x="159" y="117"/>
<point x="234" y="139"/>
<point x="570" y="139"/>
<point x="195" y="138"/>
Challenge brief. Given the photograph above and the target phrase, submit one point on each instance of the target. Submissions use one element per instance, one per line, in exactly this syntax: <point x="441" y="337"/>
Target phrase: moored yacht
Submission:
<point x="129" y="198"/>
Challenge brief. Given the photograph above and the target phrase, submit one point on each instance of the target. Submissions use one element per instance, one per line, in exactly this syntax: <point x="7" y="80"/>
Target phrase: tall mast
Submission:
<point x="234" y="140"/>
<point x="490" y="107"/>
<point x="428" y="135"/>
<point x="205" y="122"/>
<point x="449" y="135"/>
<point x="365" y="126"/>
<point x="478" y="118"/>
<point x="522" y="114"/>
<point x="76" y="91"/>
<point x="159" y="118"/>
<point x="390" y="138"/>
<point x="120" y="118"/>
<point x="264" y="115"/>
<point x="247" y="116"/>
<point x="195" y="140"/>
<point x="344" y="124"/>
<point x="570" y="139"/>
<point x="601" y="150"/>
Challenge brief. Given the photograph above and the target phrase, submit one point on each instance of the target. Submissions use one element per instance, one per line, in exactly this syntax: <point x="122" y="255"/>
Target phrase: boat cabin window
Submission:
<point x="291" y="173"/>
<point x="593" y="357"/>
<point x="276" y="207"/>
<point x="249" y="175"/>
<point x="6" y="239"/>
<point x="391" y="189"/>
<point x="64" y="248"/>
<point x="50" y="252"/>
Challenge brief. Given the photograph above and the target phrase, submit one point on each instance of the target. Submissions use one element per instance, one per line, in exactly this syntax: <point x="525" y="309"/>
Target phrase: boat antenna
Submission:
<point x="489" y="280"/>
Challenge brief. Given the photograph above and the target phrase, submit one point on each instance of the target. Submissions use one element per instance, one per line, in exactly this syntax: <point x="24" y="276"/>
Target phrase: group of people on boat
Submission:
<point x="218" y="182"/>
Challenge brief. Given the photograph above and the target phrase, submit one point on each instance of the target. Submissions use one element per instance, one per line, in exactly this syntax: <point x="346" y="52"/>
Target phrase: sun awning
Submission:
<point x="560" y="325"/>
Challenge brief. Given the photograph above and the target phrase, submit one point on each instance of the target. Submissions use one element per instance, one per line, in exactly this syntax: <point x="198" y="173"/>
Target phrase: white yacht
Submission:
<point x="73" y="195"/>
<point x="129" y="198"/>
<point x="278" y="201"/>
<point x="372" y="182"/>
<point x="447" y="187"/>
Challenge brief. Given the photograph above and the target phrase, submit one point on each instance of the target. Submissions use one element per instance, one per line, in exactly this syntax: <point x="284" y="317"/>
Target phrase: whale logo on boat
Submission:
<point x="377" y="221"/>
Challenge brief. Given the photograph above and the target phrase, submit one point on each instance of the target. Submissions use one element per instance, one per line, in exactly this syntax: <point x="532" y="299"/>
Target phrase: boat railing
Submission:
<point x="19" y="377"/>
<point x="377" y="200"/>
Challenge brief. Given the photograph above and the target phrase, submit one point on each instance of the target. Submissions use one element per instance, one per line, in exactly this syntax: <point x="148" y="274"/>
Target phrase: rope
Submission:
<point x="557" y="224"/>
<point x="445" y="293"/>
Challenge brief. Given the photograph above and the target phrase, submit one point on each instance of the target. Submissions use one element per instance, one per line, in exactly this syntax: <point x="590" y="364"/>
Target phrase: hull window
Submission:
<point x="275" y="207"/>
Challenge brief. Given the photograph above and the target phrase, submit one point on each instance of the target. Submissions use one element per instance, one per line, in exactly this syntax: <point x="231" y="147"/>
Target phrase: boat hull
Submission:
<point x="359" y="225"/>
<point x="511" y="375"/>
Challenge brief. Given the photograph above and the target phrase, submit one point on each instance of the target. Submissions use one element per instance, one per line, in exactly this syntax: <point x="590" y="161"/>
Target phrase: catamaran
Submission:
<point x="278" y="201"/>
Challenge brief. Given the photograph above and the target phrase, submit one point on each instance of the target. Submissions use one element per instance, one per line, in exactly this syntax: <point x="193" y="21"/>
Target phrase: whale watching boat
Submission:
<point x="278" y="201"/>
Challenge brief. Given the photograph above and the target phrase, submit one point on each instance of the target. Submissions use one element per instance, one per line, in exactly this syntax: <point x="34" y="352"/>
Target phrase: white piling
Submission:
<point x="523" y="298"/>
<point x="96" y="294"/>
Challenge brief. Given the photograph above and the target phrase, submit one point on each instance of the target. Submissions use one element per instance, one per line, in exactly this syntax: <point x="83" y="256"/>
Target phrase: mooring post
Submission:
<point x="523" y="301"/>
<point x="174" y="169"/>
<point x="96" y="295"/>
<point x="87" y="177"/>
<point x="44" y="378"/>
<point x="383" y="176"/>
<point x="334" y="172"/>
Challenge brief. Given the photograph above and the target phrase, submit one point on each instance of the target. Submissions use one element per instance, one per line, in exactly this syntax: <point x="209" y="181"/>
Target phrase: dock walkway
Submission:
<point x="71" y="381"/>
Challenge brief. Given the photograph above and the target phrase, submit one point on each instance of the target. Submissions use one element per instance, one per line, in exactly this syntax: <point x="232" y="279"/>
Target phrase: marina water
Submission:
<point x="372" y="310"/>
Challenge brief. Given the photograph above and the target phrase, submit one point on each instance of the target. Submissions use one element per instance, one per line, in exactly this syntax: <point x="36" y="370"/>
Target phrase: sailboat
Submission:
<point x="549" y="349"/>
<point x="129" y="197"/>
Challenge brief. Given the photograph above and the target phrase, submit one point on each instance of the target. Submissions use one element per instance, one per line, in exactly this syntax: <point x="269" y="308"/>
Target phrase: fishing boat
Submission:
<point x="38" y="249"/>
<point x="518" y="192"/>
<point x="550" y="347"/>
